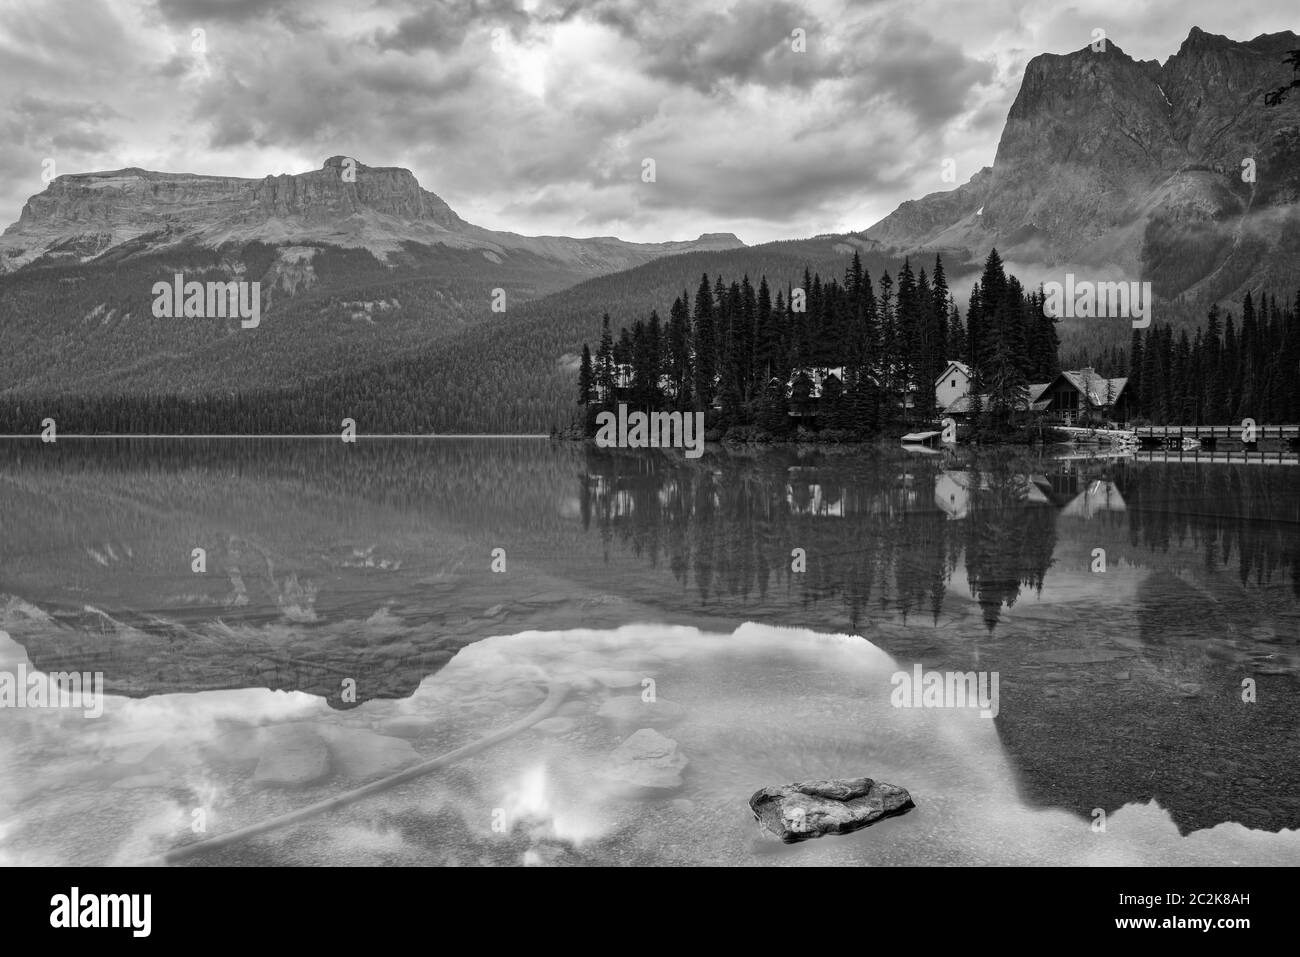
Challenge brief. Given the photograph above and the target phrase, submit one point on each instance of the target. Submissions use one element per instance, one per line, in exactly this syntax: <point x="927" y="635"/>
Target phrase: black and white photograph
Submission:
<point x="650" y="434"/>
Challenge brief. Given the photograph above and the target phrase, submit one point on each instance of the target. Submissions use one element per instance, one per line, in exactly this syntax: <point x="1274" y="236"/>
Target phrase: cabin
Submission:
<point x="1073" y="396"/>
<point x="952" y="392"/>
<point x="1084" y="396"/>
<point x="805" y="388"/>
<point x="952" y="386"/>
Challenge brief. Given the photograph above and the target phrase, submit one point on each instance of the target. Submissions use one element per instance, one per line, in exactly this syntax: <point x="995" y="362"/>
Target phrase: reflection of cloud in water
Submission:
<point x="549" y="811"/>
<point x="760" y="706"/>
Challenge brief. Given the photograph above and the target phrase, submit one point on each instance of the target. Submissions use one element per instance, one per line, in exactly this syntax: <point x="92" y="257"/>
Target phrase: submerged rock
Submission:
<point x="294" y="755"/>
<point x="647" y="763"/>
<point x="798" y="812"/>
<point x="302" y="753"/>
<point x="360" y="755"/>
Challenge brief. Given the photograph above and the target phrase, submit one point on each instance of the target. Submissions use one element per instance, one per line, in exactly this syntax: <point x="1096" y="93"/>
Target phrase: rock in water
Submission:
<point x="798" y="812"/>
<point x="646" y="764"/>
<point x="361" y="755"/>
<point x="295" y="755"/>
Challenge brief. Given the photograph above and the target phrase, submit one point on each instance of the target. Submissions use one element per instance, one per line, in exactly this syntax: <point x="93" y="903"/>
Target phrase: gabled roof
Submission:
<point x="818" y="376"/>
<point x="1095" y="387"/>
<point x="961" y="367"/>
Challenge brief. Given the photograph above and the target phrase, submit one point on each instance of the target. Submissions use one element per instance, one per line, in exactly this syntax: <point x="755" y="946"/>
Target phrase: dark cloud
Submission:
<point x="199" y="12"/>
<point x="444" y="25"/>
<point x="931" y="80"/>
<point x="57" y="126"/>
<point x="751" y="42"/>
<point x="175" y="67"/>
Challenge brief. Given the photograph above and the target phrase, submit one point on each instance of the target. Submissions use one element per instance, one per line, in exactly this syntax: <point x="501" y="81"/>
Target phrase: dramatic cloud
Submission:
<point x="769" y="118"/>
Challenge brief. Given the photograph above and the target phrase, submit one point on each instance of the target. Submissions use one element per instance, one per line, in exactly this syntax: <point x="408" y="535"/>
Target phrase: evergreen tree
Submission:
<point x="679" y="354"/>
<point x="956" y="334"/>
<point x="1216" y="403"/>
<point x="706" y="346"/>
<point x="769" y="337"/>
<point x="907" y="324"/>
<point x="586" y="379"/>
<point x="1134" y="386"/>
<point x="605" y="363"/>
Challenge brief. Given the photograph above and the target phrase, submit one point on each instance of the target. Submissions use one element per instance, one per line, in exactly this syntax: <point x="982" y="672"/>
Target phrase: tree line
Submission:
<point x="1226" y="372"/>
<point x="743" y="354"/>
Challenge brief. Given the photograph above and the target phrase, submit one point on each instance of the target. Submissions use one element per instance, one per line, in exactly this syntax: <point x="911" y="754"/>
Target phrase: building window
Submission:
<point x="954" y="383"/>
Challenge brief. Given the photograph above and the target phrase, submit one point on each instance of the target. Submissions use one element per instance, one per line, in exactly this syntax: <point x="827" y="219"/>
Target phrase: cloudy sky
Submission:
<point x="537" y="115"/>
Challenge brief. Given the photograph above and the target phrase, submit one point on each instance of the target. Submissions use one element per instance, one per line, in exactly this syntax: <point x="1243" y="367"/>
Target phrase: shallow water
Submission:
<point x="1120" y="690"/>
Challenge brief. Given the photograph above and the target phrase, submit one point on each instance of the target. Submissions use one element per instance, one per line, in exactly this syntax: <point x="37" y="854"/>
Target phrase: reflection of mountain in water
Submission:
<point x="1166" y="721"/>
<point x="324" y="561"/>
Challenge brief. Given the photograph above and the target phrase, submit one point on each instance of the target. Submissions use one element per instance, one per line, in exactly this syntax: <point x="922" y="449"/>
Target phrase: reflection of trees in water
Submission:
<point x="1010" y="539"/>
<point x="871" y="528"/>
<point x="497" y="483"/>
<point x="1250" y="513"/>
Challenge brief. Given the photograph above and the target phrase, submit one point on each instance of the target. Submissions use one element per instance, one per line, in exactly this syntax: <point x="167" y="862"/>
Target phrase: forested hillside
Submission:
<point x="508" y="372"/>
<point x="325" y="310"/>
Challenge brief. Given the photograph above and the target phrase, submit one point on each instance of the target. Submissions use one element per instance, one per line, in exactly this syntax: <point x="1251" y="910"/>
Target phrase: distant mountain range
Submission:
<point x="85" y="217"/>
<point x="1108" y="167"/>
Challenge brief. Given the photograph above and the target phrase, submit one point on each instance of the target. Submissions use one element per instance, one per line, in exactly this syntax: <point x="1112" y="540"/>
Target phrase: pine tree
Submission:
<point x="586" y="379"/>
<point x="1134" y="386"/>
<point x="605" y="363"/>
<point x="1216" y="411"/>
<point x="907" y="331"/>
<point x="768" y="341"/>
<point x="706" y="346"/>
<point x="746" y="344"/>
<point x="887" y="357"/>
<point x="679" y="354"/>
<point x="956" y="334"/>
<point x="940" y="303"/>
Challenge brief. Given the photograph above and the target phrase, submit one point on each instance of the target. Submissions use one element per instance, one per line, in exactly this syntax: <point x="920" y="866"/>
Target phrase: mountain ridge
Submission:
<point x="1135" y="167"/>
<point x="82" y="216"/>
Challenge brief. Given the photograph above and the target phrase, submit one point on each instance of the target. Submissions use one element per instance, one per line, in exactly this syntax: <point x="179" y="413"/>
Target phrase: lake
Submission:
<point x="360" y="609"/>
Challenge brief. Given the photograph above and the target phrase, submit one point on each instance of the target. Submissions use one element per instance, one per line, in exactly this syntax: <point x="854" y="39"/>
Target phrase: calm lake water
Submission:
<point x="359" y="609"/>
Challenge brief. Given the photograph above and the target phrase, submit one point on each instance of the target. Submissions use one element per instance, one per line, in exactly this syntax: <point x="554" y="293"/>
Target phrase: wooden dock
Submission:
<point x="1211" y="435"/>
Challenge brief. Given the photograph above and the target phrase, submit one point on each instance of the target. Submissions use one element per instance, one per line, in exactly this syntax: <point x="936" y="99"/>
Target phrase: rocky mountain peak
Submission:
<point x="1105" y="161"/>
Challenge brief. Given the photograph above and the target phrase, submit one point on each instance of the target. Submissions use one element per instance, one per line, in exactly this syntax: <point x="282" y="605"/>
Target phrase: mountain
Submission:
<point x="353" y="270"/>
<point x="89" y="216"/>
<point x="1119" y="168"/>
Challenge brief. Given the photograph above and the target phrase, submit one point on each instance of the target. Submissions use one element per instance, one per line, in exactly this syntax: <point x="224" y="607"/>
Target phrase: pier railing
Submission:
<point x="1212" y="436"/>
